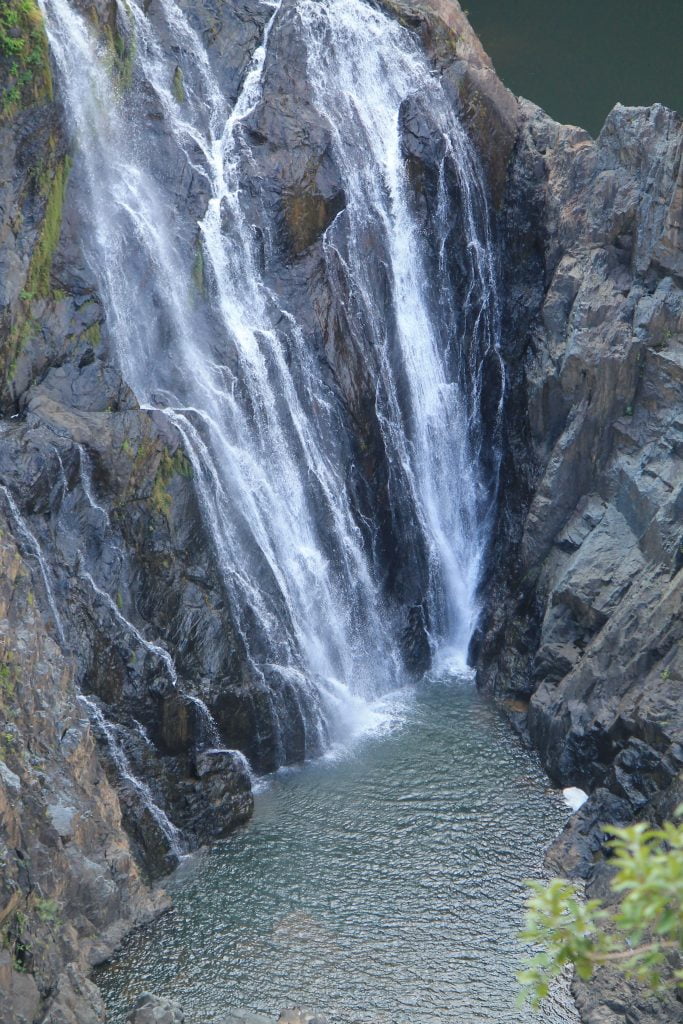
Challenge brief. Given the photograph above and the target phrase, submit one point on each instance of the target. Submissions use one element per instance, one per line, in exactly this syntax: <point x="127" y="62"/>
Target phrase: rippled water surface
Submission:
<point x="382" y="885"/>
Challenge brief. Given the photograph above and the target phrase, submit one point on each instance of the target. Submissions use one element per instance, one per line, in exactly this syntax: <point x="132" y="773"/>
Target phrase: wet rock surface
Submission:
<point x="585" y="598"/>
<point x="69" y="886"/>
<point x="586" y="624"/>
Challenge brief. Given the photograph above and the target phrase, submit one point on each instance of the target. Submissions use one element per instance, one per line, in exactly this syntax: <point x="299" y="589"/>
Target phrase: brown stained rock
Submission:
<point x="307" y="215"/>
<point x="489" y="110"/>
<point x="69" y="885"/>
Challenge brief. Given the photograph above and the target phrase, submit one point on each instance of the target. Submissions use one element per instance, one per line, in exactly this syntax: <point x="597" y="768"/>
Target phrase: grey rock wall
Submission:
<point x="584" y="600"/>
<point x="586" y="624"/>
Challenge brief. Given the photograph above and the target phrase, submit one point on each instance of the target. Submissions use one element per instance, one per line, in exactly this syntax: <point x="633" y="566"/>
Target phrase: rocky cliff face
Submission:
<point x="119" y="660"/>
<point x="589" y="628"/>
<point x="581" y="638"/>
<point x="586" y="627"/>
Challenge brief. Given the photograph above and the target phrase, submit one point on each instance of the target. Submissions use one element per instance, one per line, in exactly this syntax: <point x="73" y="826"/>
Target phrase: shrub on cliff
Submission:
<point x="636" y="935"/>
<point x="24" y="64"/>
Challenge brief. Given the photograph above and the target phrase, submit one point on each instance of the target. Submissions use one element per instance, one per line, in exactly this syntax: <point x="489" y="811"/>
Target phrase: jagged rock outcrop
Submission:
<point x="584" y="616"/>
<point x="581" y="638"/>
<point x="152" y="1009"/>
<point x="69" y="885"/>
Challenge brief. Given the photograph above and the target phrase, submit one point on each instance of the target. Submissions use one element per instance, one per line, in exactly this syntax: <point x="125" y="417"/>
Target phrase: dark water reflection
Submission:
<point x="383" y="886"/>
<point x="577" y="59"/>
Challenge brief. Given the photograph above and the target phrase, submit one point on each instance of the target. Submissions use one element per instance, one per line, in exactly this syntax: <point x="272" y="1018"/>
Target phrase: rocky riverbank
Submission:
<point x="580" y="639"/>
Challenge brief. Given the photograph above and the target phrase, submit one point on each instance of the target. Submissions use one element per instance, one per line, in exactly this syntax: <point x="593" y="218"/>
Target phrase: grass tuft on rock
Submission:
<point x="38" y="279"/>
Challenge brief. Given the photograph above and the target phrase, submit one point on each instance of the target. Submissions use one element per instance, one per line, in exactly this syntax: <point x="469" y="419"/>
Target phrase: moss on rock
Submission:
<point x="38" y="278"/>
<point x="25" y="74"/>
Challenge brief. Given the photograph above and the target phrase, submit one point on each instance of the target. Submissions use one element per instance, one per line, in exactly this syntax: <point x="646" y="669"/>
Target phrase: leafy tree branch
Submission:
<point x="635" y="935"/>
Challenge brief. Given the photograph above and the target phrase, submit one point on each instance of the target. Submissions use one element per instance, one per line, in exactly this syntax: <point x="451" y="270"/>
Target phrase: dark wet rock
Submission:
<point x="582" y="842"/>
<point x="69" y="886"/>
<point x="219" y="799"/>
<point x="75" y="1001"/>
<point x="585" y="596"/>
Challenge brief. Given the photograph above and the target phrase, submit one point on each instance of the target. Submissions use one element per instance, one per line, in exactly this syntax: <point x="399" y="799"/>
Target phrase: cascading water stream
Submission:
<point x="363" y="69"/>
<point x="125" y="773"/>
<point x="35" y="550"/>
<point x="233" y="370"/>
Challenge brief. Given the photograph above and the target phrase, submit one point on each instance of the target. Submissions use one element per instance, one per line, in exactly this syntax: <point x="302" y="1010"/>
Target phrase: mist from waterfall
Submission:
<point x="232" y="369"/>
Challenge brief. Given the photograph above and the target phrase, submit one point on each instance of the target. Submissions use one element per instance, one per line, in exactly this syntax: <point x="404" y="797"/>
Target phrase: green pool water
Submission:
<point x="381" y="884"/>
<point x="576" y="60"/>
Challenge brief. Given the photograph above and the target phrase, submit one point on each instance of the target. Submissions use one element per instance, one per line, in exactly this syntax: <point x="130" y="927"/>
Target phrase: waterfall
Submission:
<point x="171" y="834"/>
<point x="36" y="551"/>
<point x="232" y="367"/>
<point x="156" y="650"/>
<point x="88" y="487"/>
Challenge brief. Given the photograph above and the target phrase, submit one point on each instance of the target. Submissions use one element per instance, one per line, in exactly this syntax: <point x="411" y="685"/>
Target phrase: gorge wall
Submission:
<point x="581" y="637"/>
<point x="122" y="657"/>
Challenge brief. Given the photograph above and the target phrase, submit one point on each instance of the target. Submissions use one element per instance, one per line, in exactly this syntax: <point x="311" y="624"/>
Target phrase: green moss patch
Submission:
<point x="38" y="278"/>
<point x="169" y="466"/>
<point x="178" y="86"/>
<point x="25" y="75"/>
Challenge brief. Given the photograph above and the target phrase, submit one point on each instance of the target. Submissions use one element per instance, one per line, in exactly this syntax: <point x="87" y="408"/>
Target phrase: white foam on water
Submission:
<point x="574" y="797"/>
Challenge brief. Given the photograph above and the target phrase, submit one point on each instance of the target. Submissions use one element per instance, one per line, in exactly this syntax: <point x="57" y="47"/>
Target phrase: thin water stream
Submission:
<point x="381" y="884"/>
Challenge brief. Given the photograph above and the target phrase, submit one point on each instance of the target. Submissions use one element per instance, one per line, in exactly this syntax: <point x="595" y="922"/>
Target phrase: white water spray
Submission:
<point x="36" y="551"/>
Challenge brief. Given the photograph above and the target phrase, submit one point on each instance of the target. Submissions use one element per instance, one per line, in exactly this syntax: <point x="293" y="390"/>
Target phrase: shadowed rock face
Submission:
<point x="583" y="597"/>
<point x="581" y="637"/>
<point x="587" y="624"/>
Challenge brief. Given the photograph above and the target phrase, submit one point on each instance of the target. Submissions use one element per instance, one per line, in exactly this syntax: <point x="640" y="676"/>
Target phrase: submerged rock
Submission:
<point x="297" y="1015"/>
<point x="152" y="1009"/>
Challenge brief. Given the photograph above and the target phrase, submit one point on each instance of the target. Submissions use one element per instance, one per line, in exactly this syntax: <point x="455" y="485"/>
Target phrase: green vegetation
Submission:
<point x="24" y="59"/>
<point x="121" y="55"/>
<point x="93" y="334"/>
<point x="169" y="466"/>
<point x="8" y="676"/>
<point x="38" y="278"/>
<point x="11" y="938"/>
<point x="47" y="910"/>
<point x="198" y="272"/>
<point x="52" y="185"/>
<point x="17" y="338"/>
<point x="634" y="936"/>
